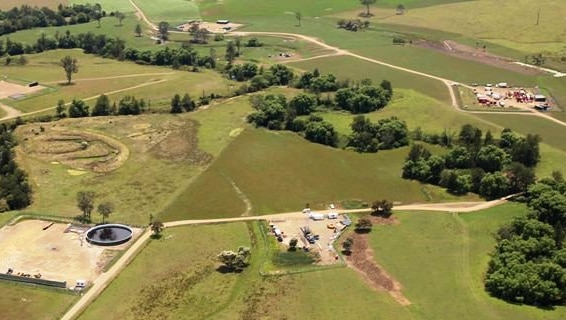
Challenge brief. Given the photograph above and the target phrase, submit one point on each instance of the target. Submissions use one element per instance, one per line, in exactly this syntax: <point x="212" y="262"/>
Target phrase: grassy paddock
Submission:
<point x="355" y="69"/>
<point x="27" y="302"/>
<point x="440" y="260"/>
<point x="184" y="285"/>
<point x="172" y="11"/>
<point x="282" y="163"/>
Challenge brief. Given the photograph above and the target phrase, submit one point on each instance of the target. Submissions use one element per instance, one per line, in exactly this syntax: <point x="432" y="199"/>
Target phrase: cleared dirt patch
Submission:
<point x="57" y="255"/>
<point x="362" y="260"/>
<point x="8" y="89"/>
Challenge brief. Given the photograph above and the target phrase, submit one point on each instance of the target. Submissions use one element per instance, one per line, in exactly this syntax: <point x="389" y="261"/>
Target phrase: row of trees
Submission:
<point x="15" y="190"/>
<point x="487" y="166"/>
<point x="85" y="202"/>
<point x="529" y="261"/>
<point x="109" y="47"/>
<point x="128" y="105"/>
<point x="28" y="17"/>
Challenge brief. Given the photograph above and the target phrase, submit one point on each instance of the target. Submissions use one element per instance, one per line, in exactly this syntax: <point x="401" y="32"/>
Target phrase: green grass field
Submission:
<point x="356" y="69"/>
<point x="9" y="4"/>
<point x="116" y="79"/>
<point x="176" y="278"/>
<point x="282" y="172"/>
<point x="509" y="23"/>
<point x="172" y="11"/>
<point x="26" y="302"/>
<point x="440" y="260"/>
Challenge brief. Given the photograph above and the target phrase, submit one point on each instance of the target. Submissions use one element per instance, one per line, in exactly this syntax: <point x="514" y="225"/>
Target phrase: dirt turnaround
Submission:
<point x="361" y="259"/>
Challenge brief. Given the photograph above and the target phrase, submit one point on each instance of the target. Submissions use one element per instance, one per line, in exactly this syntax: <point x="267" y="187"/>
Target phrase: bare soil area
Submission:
<point x="362" y="260"/>
<point x="8" y="89"/>
<point x="212" y="27"/>
<point x="326" y="230"/>
<point x="475" y="54"/>
<point x="55" y="254"/>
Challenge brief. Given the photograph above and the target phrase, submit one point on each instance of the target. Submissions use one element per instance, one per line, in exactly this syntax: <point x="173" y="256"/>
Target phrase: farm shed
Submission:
<point x="223" y="21"/>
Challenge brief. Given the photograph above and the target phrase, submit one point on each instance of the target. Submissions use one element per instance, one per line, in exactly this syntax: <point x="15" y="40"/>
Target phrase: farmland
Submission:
<point x="212" y="164"/>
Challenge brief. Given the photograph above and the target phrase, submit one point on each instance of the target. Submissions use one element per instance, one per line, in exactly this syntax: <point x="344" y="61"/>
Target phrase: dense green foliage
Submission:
<point x="492" y="168"/>
<point x="529" y="262"/>
<point x="15" y="191"/>
<point x="387" y="133"/>
<point x="27" y="17"/>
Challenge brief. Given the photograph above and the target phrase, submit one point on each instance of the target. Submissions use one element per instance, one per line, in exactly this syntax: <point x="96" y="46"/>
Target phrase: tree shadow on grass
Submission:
<point x="225" y="269"/>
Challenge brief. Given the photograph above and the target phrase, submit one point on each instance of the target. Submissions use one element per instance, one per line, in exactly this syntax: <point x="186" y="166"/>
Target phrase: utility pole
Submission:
<point x="538" y="17"/>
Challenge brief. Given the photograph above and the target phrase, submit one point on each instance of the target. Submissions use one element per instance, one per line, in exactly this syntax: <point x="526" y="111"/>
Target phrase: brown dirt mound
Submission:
<point x="362" y="260"/>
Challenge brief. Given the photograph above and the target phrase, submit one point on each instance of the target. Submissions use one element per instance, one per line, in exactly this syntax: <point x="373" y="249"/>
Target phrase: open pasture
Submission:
<point x="185" y="283"/>
<point x="172" y="11"/>
<point x="282" y="172"/>
<point x="9" y="4"/>
<point x="25" y="302"/>
<point x="440" y="260"/>
<point x="355" y="69"/>
<point x="510" y="23"/>
<point x="116" y="79"/>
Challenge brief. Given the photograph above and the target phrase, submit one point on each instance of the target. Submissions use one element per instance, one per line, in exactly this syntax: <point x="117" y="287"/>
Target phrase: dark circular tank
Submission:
<point x="109" y="234"/>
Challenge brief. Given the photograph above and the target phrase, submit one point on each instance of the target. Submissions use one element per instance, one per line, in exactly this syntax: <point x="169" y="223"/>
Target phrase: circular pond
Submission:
<point x="109" y="234"/>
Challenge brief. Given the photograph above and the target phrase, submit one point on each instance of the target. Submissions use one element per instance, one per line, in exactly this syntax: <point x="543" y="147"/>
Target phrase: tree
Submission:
<point x="298" y="16"/>
<point x="494" y="185"/>
<point x="382" y="208"/>
<point x="163" y="30"/>
<point x="138" y="30"/>
<point x="238" y="44"/>
<point x="235" y="261"/>
<point x="347" y="246"/>
<point x="293" y="244"/>
<point x="85" y="202"/>
<point x="231" y="53"/>
<point x="70" y="65"/>
<point x="367" y="3"/>
<point x="176" y="104"/>
<point x="491" y="158"/>
<point x="78" y="109"/>
<point x="321" y="132"/>
<point x="157" y="228"/>
<point x="102" y="106"/>
<point x="187" y="104"/>
<point x="60" y="110"/>
<point x="363" y="225"/>
<point x="120" y="16"/>
<point x="105" y="209"/>
<point x="302" y="104"/>
<point x="400" y="9"/>
<point x="526" y="150"/>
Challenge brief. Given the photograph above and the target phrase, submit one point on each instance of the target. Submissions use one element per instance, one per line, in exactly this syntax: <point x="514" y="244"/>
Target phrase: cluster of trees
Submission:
<point x="128" y="105"/>
<point x="529" y="261"/>
<point x="28" y="17"/>
<point x="484" y="165"/>
<point x="115" y="48"/>
<point x="275" y="113"/>
<point x="15" y="190"/>
<point x="85" y="202"/>
<point x="389" y="133"/>
<point x="275" y="75"/>
<point x="365" y="98"/>
<point x="184" y="104"/>
<point x="353" y="25"/>
<point x="235" y="260"/>
<point x="316" y="82"/>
